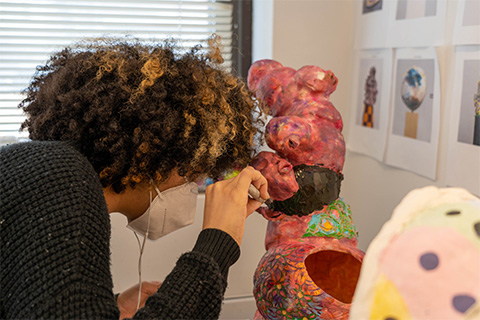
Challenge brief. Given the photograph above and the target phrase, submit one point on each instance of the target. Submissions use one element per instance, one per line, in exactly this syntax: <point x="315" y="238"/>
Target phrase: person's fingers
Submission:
<point x="248" y="176"/>
<point x="227" y="203"/>
<point x="252" y="205"/>
<point x="251" y="176"/>
<point x="150" y="288"/>
<point x="262" y="185"/>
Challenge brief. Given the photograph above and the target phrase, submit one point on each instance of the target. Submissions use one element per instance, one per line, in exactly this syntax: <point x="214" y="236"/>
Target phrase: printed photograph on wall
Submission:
<point x="471" y="13"/>
<point x="417" y="23"/>
<point x="415" y="117"/>
<point x="372" y="19"/>
<point x="412" y="9"/>
<point x="372" y="5"/>
<point x="469" y="122"/>
<point x="467" y="22"/>
<point x="370" y="81"/>
<point x="463" y="118"/>
<point x="413" y="99"/>
<point x="370" y="102"/>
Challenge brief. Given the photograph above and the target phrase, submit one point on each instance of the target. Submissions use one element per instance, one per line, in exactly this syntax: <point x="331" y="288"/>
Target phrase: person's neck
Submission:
<point x="131" y="202"/>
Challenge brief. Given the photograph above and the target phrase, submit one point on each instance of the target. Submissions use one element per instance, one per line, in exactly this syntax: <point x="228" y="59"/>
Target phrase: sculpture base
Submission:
<point x="367" y="120"/>
<point x="411" y="125"/>
<point x="315" y="279"/>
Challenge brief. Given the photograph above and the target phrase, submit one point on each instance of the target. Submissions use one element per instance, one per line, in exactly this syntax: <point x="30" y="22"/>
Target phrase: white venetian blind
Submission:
<point x="30" y="30"/>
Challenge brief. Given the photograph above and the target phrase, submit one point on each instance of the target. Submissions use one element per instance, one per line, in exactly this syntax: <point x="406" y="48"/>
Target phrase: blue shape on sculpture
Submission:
<point x="413" y="88"/>
<point x="414" y="78"/>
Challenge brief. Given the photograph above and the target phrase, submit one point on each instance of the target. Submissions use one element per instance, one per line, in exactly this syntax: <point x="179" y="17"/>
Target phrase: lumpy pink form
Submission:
<point x="312" y="264"/>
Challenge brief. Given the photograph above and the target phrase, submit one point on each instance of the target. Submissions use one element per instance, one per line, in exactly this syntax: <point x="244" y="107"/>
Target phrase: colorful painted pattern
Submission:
<point x="285" y="291"/>
<point x="336" y="221"/>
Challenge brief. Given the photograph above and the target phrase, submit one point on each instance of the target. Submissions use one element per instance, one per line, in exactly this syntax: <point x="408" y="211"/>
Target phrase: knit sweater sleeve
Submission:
<point x="55" y="235"/>
<point x="195" y="287"/>
<point x="55" y="246"/>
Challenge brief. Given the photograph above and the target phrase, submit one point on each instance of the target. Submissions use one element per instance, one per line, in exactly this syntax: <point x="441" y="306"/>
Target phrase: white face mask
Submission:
<point x="171" y="210"/>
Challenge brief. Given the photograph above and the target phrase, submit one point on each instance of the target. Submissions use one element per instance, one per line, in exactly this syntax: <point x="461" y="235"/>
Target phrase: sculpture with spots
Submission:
<point x="425" y="262"/>
<point x="312" y="264"/>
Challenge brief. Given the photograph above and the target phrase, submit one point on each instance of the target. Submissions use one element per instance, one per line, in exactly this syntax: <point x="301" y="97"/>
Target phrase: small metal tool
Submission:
<point x="255" y="194"/>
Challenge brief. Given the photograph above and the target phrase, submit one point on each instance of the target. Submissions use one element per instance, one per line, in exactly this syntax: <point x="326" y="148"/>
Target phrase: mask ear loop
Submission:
<point x="142" y="248"/>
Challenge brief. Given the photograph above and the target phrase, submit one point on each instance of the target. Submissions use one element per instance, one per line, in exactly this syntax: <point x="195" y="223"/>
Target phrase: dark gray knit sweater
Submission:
<point x="55" y="245"/>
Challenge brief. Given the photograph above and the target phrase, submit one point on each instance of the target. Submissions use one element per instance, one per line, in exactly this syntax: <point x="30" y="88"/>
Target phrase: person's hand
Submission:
<point x="127" y="300"/>
<point x="227" y="203"/>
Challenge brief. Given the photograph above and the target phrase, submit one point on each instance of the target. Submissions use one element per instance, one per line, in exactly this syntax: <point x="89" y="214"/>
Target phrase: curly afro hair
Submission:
<point x="138" y="110"/>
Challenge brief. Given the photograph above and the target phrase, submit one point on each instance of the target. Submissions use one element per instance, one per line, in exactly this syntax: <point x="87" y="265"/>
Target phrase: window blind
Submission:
<point x="30" y="30"/>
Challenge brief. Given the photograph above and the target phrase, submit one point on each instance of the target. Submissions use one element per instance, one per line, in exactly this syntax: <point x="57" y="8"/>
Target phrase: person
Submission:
<point x="120" y="125"/>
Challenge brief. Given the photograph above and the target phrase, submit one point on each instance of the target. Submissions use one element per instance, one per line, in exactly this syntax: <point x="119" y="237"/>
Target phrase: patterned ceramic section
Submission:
<point x="284" y="290"/>
<point x="336" y="221"/>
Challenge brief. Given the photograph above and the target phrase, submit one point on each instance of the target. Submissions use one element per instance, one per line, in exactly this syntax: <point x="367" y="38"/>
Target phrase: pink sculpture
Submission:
<point x="312" y="264"/>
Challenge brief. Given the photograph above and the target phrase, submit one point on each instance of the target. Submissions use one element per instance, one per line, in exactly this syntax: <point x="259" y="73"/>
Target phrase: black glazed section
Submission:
<point x="318" y="187"/>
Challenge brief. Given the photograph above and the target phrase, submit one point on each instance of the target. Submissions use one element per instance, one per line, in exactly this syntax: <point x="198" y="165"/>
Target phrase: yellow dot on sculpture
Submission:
<point x="300" y="295"/>
<point x="284" y="312"/>
<point x="279" y="286"/>
<point x="388" y="302"/>
<point x="327" y="225"/>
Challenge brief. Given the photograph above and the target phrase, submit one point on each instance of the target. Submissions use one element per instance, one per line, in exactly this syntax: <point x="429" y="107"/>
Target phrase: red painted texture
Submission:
<point x="312" y="277"/>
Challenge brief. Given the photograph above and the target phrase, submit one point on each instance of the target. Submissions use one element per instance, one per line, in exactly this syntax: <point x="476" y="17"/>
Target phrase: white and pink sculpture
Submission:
<point x="425" y="262"/>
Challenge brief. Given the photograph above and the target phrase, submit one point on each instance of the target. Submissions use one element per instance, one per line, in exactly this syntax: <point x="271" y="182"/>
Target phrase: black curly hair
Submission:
<point x="138" y="110"/>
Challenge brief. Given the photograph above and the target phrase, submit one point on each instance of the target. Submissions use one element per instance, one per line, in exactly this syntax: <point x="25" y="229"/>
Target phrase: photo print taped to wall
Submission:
<point x="469" y="122"/>
<point x="467" y="23"/>
<point x="372" y="5"/>
<point x="463" y="152"/>
<point x="417" y="23"/>
<point x="370" y="103"/>
<point x="412" y="9"/>
<point x="413" y="99"/>
<point x="415" y="116"/>
<point x="372" y="19"/>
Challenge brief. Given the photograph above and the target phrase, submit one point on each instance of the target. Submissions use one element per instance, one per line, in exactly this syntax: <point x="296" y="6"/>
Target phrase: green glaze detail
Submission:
<point x="335" y="221"/>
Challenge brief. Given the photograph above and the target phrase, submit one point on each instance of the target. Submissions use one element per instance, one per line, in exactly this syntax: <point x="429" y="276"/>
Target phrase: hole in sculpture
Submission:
<point x="334" y="272"/>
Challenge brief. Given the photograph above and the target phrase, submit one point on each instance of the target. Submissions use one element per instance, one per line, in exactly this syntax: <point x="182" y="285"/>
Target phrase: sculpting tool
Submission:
<point x="254" y="193"/>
